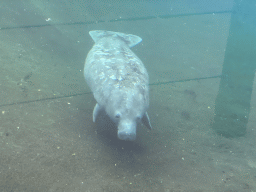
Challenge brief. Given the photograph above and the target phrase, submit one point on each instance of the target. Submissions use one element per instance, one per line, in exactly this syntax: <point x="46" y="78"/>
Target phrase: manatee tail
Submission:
<point x="129" y="39"/>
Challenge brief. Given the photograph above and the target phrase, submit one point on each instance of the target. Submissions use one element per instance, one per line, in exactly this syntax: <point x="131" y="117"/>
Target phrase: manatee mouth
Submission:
<point x="127" y="131"/>
<point x="126" y="136"/>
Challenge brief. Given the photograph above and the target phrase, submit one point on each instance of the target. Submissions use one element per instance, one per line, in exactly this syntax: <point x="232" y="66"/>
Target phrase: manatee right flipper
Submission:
<point x="96" y="111"/>
<point x="146" y="121"/>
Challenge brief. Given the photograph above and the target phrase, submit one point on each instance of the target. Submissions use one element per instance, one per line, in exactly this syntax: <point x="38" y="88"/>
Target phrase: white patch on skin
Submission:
<point x="112" y="77"/>
<point x="102" y="75"/>
<point x="120" y="78"/>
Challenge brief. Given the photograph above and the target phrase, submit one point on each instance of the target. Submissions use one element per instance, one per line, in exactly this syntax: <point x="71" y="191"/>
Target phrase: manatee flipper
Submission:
<point x="146" y="121"/>
<point x="96" y="111"/>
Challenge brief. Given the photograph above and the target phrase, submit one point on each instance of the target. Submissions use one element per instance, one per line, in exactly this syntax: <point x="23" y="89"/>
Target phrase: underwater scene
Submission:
<point x="127" y="96"/>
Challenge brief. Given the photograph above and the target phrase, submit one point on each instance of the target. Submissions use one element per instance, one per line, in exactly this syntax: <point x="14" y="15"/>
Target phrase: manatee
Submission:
<point x="119" y="81"/>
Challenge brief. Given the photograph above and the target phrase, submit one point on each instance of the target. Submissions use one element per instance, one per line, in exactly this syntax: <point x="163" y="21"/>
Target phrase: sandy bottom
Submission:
<point x="48" y="141"/>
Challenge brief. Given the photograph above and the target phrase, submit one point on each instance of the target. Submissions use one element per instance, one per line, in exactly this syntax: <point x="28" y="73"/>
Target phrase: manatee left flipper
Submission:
<point x="146" y="121"/>
<point x="96" y="111"/>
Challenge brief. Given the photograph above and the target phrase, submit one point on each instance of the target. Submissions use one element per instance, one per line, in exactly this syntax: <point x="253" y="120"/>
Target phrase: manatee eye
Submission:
<point x="117" y="116"/>
<point x="138" y="118"/>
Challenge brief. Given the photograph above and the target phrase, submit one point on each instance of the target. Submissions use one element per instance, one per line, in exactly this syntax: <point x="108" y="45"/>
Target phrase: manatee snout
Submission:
<point x="127" y="131"/>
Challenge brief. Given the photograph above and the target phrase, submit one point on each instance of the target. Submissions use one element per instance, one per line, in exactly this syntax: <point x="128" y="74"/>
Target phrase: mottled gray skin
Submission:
<point x="118" y="80"/>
